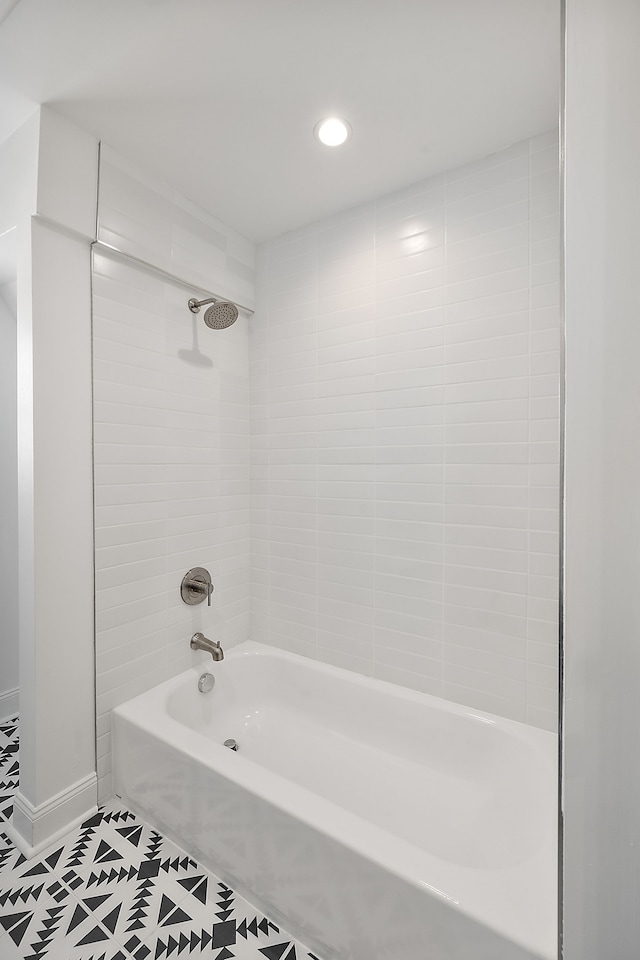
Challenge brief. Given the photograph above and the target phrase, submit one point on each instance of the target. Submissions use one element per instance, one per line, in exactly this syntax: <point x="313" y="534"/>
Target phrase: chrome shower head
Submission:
<point x="222" y="314"/>
<point x="219" y="316"/>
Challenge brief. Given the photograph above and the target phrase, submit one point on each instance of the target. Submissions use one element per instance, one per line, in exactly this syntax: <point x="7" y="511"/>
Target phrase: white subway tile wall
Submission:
<point x="171" y="422"/>
<point x="404" y="369"/>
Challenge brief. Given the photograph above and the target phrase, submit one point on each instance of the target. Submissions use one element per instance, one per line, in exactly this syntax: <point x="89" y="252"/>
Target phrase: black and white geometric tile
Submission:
<point x="116" y="889"/>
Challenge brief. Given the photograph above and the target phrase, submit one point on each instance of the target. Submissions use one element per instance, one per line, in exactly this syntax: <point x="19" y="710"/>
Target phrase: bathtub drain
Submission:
<point x="231" y="744"/>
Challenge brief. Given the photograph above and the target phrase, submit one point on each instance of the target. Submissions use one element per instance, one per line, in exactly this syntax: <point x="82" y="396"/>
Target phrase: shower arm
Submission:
<point x="194" y="305"/>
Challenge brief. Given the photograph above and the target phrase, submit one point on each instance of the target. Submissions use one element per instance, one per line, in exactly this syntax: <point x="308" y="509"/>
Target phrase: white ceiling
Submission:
<point x="220" y="97"/>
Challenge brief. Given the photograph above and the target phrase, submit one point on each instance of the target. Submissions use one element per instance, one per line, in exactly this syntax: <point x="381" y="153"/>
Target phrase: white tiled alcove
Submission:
<point x="398" y="511"/>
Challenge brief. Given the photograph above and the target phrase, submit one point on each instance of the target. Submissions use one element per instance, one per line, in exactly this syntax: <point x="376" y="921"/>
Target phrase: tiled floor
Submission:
<point x="116" y="889"/>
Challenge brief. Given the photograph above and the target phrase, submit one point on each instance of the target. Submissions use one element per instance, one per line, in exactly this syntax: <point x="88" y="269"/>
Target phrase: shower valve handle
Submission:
<point x="196" y="585"/>
<point x="202" y="588"/>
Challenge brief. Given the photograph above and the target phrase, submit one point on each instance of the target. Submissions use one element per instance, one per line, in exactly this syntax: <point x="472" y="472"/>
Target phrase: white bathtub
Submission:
<point x="373" y="822"/>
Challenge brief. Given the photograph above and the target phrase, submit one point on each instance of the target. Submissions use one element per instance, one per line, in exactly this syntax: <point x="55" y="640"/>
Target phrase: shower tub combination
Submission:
<point x="373" y="822"/>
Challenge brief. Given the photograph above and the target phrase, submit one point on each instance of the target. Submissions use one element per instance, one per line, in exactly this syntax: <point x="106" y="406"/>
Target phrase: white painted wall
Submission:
<point x="602" y="595"/>
<point x="405" y="436"/>
<point x="19" y="174"/>
<point x="18" y="183"/>
<point x="171" y="410"/>
<point x="9" y="678"/>
<point x="9" y="290"/>
<point x="57" y="704"/>
<point x="56" y="577"/>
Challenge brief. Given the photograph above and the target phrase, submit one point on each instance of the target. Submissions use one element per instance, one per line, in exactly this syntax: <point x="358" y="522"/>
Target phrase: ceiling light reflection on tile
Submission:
<point x="418" y="243"/>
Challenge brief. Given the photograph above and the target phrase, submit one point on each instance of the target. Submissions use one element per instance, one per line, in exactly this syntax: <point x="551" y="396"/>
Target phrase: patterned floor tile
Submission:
<point x="16" y="869"/>
<point x="9" y="729"/>
<point x="132" y="903"/>
<point x="155" y="899"/>
<point x="211" y="917"/>
<point x="223" y="942"/>
<point x="93" y="844"/>
<point x="116" y="889"/>
<point x="8" y="766"/>
<point x="49" y="922"/>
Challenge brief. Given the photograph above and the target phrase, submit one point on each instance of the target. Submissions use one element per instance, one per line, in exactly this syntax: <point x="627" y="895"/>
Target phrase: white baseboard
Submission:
<point x="9" y="703"/>
<point x="33" y="829"/>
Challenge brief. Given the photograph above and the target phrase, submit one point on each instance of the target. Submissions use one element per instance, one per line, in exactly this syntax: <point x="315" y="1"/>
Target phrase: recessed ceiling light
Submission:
<point x="332" y="131"/>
